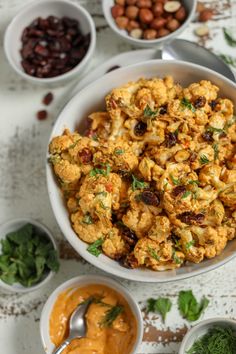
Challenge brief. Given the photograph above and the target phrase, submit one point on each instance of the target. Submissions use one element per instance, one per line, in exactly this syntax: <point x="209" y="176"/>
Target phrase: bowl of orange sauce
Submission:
<point x="106" y="334"/>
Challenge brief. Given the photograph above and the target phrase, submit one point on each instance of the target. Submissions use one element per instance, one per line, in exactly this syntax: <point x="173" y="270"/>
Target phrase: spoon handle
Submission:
<point x="63" y="345"/>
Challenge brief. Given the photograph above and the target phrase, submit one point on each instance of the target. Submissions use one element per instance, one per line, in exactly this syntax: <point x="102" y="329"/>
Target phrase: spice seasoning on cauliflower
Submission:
<point x="153" y="180"/>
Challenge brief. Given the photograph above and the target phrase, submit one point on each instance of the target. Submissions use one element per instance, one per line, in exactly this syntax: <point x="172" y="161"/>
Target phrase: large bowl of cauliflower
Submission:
<point x="141" y="171"/>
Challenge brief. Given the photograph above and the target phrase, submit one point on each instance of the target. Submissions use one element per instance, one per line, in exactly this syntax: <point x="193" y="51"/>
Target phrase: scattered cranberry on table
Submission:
<point x="148" y="19"/>
<point x="52" y="46"/>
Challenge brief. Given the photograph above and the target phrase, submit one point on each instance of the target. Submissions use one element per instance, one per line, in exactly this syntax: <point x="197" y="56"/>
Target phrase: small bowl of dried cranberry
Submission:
<point x="50" y="41"/>
<point x="149" y="23"/>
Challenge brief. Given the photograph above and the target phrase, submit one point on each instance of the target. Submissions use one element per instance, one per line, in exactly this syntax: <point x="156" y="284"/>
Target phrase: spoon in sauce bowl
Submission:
<point x="77" y="325"/>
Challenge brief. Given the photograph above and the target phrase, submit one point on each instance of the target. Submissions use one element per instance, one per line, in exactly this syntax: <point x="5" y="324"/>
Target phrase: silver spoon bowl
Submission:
<point x="77" y="326"/>
<point x="181" y="49"/>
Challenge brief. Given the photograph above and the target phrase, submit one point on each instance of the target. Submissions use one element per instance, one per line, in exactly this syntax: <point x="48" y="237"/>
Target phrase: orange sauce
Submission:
<point x="119" y="338"/>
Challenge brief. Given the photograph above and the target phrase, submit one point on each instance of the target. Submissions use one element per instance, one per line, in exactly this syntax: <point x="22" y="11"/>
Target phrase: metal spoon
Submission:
<point x="77" y="325"/>
<point x="181" y="49"/>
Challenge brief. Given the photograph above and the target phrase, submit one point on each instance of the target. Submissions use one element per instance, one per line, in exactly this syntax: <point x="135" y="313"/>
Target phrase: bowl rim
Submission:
<point x="23" y="11"/>
<point x="49" y="276"/>
<point x="146" y="42"/>
<point x="201" y="324"/>
<point x="145" y="278"/>
<point x="86" y="280"/>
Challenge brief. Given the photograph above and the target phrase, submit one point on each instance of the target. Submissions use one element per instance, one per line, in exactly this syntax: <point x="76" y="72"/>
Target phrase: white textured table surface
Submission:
<point x="23" y="142"/>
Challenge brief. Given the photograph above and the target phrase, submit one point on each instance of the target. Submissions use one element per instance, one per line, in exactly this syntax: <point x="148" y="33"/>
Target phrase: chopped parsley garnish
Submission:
<point x="189" y="244"/>
<point x="87" y="219"/>
<point x="74" y="144"/>
<point x="153" y="253"/>
<point x="95" y="248"/>
<point x="231" y="122"/>
<point x="216" y="151"/>
<point x="215" y="130"/>
<point x="175" y="180"/>
<point x="103" y="206"/>
<point x="136" y="184"/>
<point x="187" y="104"/>
<point x="161" y="305"/>
<point x="217" y="340"/>
<point x="189" y="307"/>
<point x="111" y="315"/>
<point x="149" y="113"/>
<point x="229" y="38"/>
<point x="176" y="259"/>
<point x="192" y="181"/>
<point x="100" y="171"/>
<point x="103" y="193"/>
<point x="186" y="194"/>
<point x="204" y="160"/>
<point x="119" y="151"/>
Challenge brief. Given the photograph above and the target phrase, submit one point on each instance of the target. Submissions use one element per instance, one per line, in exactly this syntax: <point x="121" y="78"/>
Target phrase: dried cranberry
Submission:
<point x="200" y="102"/>
<point x="149" y="198"/>
<point x="213" y="104"/>
<point x="47" y="99"/>
<point x="199" y="218"/>
<point x="188" y="217"/>
<point x="208" y="136"/>
<point x="179" y="190"/>
<point x="193" y="157"/>
<point x="42" y="115"/>
<point x="129" y="236"/>
<point x="170" y="140"/>
<point x="29" y="68"/>
<point x="113" y="68"/>
<point x="222" y="135"/>
<point x="86" y="156"/>
<point x="129" y="261"/>
<point x="163" y="109"/>
<point x="39" y="49"/>
<point x="140" y="128"/>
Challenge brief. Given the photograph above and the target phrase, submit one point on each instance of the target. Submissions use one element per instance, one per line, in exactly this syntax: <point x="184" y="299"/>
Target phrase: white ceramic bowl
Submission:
<point x="79" y="282"/>
<point x="202" y="328"/>
<point x="190" y="5"/>
<point x="91" y="99"/>
<point x="13" y="225"/>
<point x="44" y="8"/>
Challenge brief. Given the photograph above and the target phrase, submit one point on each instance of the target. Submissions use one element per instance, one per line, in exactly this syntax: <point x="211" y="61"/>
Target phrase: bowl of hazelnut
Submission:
<point x="148" y="23"/>
<point x="50" y="41"/>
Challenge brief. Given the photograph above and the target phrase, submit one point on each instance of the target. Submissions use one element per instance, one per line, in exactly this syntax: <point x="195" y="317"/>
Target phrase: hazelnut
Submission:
<point x="122" y="22"/>
<point x="132" y="25"/>
<point x="117" y="11"/>
<point x="146" y="15"/>
<point x="149" y="34"/>
<point x="172" y="25"/>
<point x="157" y="9"/>
<point x="136" y="33"/>
<point x="206" y="15"/>
<point x="172" y="6"/>
<point x="158" y="23"/>
<point x="132" y="12"/>
<point x="144" y="4"/>
<point x="181" y="14"/>
<point x="162" y="32"/>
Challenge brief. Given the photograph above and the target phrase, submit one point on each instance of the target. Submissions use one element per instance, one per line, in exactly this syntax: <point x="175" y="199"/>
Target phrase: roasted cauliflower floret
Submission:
<point x="202" y="89"/>
<point x="160" y="230"/>
<point x="228" y="196"/>
<point x="114" y="246"/>
<point x="138" y="221"/>
<point x="193" y="252"/>
<point x="63" y="142"/>
<point x="67" y="172"/>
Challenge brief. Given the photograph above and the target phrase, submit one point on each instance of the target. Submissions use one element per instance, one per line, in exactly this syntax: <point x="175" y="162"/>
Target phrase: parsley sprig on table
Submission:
<point x="161" y="305"/>
<point x="189" y="307"/>
<point x="27" y="255"/>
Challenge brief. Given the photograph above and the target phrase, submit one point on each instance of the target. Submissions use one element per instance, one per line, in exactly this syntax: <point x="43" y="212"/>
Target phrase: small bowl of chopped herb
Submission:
<point x="212" y="336"/>
<point x="28" y="255"/>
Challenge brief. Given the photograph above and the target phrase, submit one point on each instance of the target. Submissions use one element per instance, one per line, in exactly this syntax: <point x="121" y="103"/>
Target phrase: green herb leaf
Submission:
<point x="176" y="259"/>
<point x="231" y="122"/>
<point x="87" y="219"/>
<point x="189" y="244"/>
<point x="215" y="130"/>
<point x="174" y="180"/>
<point x="111" y="315"/>
<point x="103" y="206"/>
<point x="136" y="184"/>
<point x="161" y="305"/>
<point x="189" y="307"/>
<point x="228" y="59"/>
<point x="22" y="235"/>
<point x="95" y="248"/>
<point x="52" y="261"/>
<point x="186" y="194"/>
<point x="148" y="113"/>
<point x="216" y="151"/>
<point x="100" y="171"/>
<point x="192" y="181"/>
<point x="119" y="151"/>
<point x="187" y="104"/>
<point x="153" y="253"/>
<point x="204" y="160"/>
<point x="229" y="38"/>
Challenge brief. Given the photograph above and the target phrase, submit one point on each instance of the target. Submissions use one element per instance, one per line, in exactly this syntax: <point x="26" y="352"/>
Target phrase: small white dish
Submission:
<point x="190" y="6"/>
<point x="79" y="282"/>
<point x="202" y="328"/>
<point x="13" y="225"/>
<point x="45" y="8"/>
